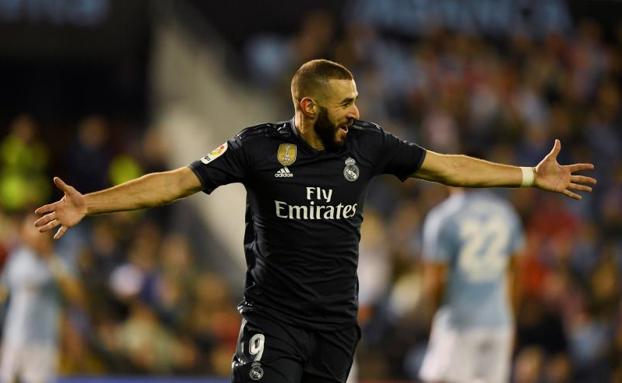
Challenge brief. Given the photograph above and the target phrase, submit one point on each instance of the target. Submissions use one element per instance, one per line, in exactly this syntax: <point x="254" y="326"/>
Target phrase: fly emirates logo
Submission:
<point x="318" y="207"/>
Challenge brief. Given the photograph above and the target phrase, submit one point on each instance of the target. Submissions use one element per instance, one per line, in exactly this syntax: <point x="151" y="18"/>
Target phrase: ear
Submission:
<point x="308" y="107"/>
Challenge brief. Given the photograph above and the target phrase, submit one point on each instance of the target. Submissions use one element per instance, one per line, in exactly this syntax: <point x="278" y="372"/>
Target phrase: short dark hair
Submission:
<point x="313" y="75"/>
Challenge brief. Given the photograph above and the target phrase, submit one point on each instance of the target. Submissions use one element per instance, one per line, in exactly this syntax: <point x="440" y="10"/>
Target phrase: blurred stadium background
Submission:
<point x="101" y="91"/>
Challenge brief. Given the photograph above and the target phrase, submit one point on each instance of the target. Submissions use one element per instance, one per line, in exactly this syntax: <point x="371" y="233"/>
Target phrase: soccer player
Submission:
<point x="468" y="244"/>
<point x="305" y="180"/>
<point x="35" y="278"/>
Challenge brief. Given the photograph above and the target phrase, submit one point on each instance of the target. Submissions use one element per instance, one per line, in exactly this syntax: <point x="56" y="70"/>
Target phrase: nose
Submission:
<point x="353" y="113"/>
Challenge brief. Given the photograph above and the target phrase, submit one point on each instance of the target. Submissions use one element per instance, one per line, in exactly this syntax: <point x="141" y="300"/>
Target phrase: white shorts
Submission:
<point x="353" y="377"/>
<point x="480" y="355"/>
<point x="31" y="363"/>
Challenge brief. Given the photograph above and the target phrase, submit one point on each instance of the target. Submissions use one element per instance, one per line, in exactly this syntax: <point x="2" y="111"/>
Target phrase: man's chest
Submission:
<point x="297" y="176"/>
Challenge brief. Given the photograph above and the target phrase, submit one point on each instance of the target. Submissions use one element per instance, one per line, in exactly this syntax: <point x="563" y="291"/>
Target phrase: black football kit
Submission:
<point x="303" y="217"/>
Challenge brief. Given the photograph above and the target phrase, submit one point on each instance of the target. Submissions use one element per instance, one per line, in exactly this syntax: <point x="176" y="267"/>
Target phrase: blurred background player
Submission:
<point x="35" y="279"/>
<point x="469" y="241"/>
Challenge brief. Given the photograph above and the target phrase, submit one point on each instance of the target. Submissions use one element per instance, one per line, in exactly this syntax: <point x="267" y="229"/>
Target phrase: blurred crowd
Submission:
<point x="149" y="303"/>
<point x="504" y="99"/>
<point x="153" y="307"/>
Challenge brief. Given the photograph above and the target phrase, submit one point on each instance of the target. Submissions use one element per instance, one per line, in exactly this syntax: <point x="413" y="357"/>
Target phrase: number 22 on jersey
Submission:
<point x="483" y="253"/>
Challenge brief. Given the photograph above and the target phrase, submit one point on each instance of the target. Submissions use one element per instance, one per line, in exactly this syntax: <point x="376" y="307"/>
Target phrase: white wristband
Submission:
<point x="529" y="176"/>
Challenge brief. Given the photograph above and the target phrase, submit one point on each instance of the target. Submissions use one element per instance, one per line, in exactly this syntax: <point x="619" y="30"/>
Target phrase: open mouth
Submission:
<point x="345" y="127"/>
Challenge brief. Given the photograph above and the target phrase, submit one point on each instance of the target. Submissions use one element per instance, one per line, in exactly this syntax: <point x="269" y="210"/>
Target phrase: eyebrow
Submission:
<point x="348" y="100"/>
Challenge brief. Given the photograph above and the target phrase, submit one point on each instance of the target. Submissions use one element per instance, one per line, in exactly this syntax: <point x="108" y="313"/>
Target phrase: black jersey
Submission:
<point x="303" y="216"/>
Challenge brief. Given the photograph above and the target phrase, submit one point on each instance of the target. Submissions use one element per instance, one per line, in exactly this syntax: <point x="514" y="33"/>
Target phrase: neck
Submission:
<point x="304" y="126"/>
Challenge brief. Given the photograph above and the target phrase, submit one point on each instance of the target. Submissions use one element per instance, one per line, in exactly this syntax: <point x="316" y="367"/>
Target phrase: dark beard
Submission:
<point x="326" y="131"/>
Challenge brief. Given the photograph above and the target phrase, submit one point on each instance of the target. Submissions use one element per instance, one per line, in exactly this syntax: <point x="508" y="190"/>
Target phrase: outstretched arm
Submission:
<point x="150" y="190"/>
<point x="461" y="170"/>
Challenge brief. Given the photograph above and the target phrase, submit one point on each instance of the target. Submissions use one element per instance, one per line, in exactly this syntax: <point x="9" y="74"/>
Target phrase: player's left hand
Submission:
<point x="551" y="176"/>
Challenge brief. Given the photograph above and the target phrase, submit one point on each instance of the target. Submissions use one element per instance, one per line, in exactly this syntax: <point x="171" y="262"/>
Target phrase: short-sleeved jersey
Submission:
<point x="34" y="309"/>
<point x="303" y="217"/>
<point x="475" y="233"/>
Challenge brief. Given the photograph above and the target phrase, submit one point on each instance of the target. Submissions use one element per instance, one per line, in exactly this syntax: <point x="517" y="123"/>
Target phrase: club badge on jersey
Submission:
<point x="256" y="372"/>
<point x="211" y="156"/>
<point x="351" y="171"/>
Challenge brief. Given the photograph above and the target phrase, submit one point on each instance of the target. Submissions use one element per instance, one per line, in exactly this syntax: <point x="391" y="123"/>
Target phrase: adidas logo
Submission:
<point x="283" y="173"/>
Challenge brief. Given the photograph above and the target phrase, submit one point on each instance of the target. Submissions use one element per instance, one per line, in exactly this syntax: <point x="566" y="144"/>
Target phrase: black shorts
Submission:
<point x="273" y="352"/>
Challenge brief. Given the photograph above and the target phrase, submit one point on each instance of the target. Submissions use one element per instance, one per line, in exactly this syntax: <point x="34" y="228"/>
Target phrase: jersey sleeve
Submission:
<point x="436" y="241"/>
<point x="398" y="157"/>
<point x="224" y="165"/>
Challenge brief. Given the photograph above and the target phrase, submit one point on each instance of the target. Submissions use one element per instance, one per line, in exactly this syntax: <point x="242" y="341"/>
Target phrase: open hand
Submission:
<point x="552" y="176"/>
<point x="66" y="212"/>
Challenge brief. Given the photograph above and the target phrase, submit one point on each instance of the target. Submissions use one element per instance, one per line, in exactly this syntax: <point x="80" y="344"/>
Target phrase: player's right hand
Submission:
<point x="66" y="212"/>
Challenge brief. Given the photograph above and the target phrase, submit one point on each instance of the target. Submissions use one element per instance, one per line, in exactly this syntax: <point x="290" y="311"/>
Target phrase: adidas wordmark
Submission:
<point x="283" y="173"/>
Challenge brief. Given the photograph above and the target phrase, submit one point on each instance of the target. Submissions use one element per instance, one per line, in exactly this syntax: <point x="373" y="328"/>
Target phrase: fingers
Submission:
<point x="60" y="184"/>
<point x="46" y="208"/>
<point x="583" y="180"/>
<point x="579" y="187"/>
<point x="60" y="232"/>
<point x="49" y="222"/>
<point x="579" y="167"/>
<point x="572" y="195"/>
<point x="557" y="146"/>
<point x="67" y="189"/>
<point x="49" y="226"/>
<point x="45" y="219"/>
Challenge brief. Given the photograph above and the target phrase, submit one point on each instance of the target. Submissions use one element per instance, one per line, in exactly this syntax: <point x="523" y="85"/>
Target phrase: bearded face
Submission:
<point x="333" y="136"/>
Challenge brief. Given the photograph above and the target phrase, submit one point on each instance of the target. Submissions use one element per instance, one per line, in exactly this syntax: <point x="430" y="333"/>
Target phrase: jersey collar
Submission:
<point x="302" y="141"/>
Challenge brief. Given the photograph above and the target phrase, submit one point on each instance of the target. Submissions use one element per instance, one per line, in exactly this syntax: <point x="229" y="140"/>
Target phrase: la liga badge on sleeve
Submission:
<point x="211" y="156"/>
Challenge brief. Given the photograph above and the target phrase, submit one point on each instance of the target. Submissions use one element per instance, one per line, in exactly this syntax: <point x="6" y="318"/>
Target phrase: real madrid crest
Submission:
<point x="351" y="171"/>
<point x="256" y="372"/>
<point x="286" y="154"/>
